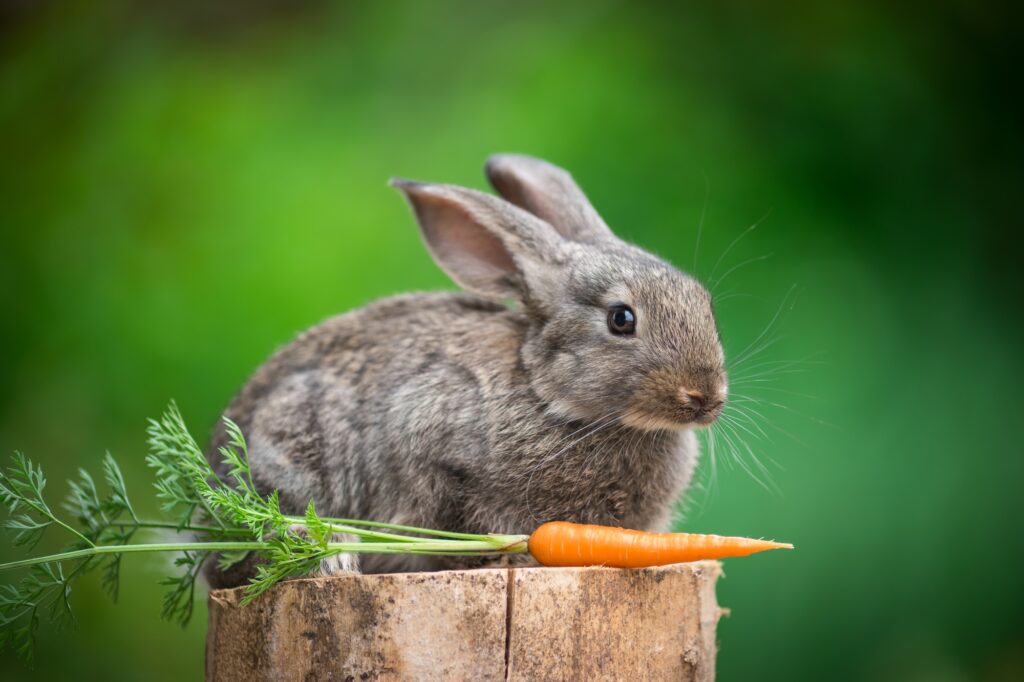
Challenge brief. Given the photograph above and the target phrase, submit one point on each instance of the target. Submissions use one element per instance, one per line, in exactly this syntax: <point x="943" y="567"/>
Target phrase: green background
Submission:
<point x="183" y="188"/>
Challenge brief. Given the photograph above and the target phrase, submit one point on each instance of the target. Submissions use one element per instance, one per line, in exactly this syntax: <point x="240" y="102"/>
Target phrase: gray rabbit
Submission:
<point x="460" y="412"/>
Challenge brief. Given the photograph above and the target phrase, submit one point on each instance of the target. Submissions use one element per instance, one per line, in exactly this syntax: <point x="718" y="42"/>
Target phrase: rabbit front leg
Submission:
<point x="336" y="564"/>
<point x="346" y="562"/>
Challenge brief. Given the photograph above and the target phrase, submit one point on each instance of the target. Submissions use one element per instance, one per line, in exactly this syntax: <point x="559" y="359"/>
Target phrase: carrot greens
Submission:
<point x="215" y="516"/>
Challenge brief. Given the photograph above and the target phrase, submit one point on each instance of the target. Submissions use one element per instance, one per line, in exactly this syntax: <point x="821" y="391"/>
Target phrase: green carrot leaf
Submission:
<point x="118" y="501"/>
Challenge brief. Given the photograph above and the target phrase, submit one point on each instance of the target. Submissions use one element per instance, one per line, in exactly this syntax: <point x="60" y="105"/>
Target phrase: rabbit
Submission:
<point x="565" y="383"/>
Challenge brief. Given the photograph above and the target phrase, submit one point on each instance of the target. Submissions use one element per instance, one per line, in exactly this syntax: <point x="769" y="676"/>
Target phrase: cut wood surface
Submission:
<point x="487" y="624"/>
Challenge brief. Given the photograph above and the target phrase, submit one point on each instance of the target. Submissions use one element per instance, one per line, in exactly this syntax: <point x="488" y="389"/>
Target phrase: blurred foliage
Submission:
<point x="186" y="185"/>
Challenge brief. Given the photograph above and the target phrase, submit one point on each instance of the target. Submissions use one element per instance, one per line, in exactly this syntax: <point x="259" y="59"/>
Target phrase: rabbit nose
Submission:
<point x="692" y="399"/>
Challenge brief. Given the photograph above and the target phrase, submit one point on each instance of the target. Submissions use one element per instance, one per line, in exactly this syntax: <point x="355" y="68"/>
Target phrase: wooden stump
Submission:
<point x="489" y="624"/>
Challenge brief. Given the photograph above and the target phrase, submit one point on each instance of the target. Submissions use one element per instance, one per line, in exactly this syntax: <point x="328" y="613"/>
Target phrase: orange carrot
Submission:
<point x="560" y="543"/>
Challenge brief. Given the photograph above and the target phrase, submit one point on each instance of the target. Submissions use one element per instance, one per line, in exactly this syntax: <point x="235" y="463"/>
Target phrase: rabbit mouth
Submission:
<point x="676" y="421"/>
<point x="709" y="415"/>
<point x="693" y="410"/>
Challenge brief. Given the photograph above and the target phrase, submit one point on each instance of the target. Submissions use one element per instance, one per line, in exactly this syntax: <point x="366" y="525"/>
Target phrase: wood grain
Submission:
<point x="488" y="624"/>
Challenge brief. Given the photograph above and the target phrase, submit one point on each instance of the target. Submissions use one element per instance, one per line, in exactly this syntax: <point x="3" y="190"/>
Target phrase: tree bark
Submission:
<point x="489" y="624"/>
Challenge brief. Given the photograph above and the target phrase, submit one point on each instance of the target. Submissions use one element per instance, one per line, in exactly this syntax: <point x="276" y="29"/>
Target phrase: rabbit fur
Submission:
<point x="494" y="410"/>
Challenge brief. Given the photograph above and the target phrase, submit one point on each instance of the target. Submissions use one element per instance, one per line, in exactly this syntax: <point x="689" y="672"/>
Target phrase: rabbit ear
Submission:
<point x="484" y="243"/>
<point x="549" y="193"/>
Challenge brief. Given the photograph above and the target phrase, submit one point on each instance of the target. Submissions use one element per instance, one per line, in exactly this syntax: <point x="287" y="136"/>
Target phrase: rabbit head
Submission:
<point x="614" y="332"/>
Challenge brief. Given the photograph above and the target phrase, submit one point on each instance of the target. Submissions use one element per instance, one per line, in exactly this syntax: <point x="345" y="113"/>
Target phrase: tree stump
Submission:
<point x="488" y="624"/>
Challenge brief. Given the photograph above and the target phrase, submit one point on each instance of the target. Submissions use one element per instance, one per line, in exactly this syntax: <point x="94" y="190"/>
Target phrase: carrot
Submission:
<point x="560" y="543"/>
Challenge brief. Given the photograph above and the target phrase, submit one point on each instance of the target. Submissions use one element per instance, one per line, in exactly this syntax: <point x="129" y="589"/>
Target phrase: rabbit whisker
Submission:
<point x="779" y="389"/>
<point x="792" y="410"/>
<point x="556" y="448"/>
<point x="705" y="481"/>
<point x="746" y="409"/>
<point x="732" y="437"/>
<point x="529" y="481"/>
<point x="736" y="267"/>
<point x="736" y="241"/>
<point x="736" y="413"/>
<point x="745" y="354"/>
<point x="767" y="367"/>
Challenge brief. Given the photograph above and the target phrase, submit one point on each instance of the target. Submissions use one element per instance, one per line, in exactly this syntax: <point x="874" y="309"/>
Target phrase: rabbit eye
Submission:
<point x="621" y="320"/>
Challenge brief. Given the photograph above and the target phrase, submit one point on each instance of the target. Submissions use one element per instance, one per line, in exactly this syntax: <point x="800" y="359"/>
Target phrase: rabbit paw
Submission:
<point x="335" y="564"/>
<point x="340" y="563"/>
